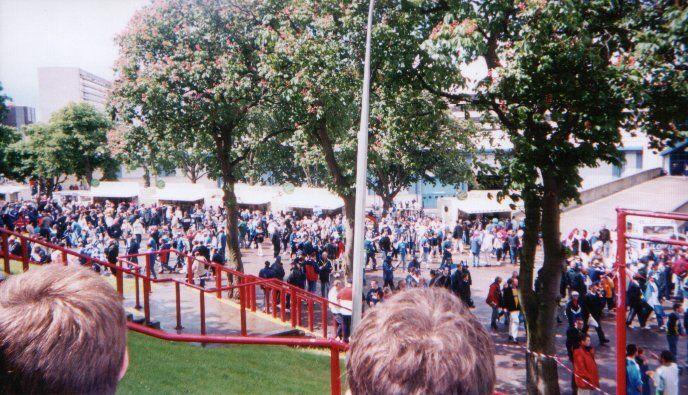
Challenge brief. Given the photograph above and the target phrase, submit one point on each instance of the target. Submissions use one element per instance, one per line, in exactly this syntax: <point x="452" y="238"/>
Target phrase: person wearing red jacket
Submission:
<point x="585" y="368"/>
<point x="494" y="299"/>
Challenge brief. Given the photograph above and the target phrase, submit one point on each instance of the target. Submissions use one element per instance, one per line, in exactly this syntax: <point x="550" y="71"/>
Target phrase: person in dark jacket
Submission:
<point x="310" y="268"/>
<point x="634" y="301"/>
<point x="574" y="308"/>
<point x="296" y="278"/>
<point x="388" y="273"/>
<point x="111" y="253"/>
<point x="266" y="272"/>
<point x="443" y="279"/>
<point x="593" y="305"/>
<point x="278" y="269"/>
<point x="574" y="335"/>
<point x="324" y="272"/>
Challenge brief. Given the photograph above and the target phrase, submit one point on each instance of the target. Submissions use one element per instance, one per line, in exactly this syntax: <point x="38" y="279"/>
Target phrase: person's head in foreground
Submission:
<point x="421" y="341"/>
<point x="62" y="331"/>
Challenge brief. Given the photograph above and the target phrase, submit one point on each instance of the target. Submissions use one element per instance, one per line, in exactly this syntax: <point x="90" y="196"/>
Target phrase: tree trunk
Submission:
<point x="146" y="177"/>
<point x="349" y="220"/>
<point x="230" y="203"/>
<point x="540" y="304"/>
<point x="387" y="202"/>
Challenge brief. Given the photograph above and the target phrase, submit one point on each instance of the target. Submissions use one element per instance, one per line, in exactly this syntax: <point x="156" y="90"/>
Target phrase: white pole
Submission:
<point x="361" y="182"/>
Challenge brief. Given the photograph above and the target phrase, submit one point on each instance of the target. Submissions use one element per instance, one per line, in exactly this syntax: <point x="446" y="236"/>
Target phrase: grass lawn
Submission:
<point x="163" y="367"/>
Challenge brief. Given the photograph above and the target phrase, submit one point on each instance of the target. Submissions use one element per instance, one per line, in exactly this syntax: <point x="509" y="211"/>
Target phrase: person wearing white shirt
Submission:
<point x="336" y="313"/>
<point x="666" y="376"/>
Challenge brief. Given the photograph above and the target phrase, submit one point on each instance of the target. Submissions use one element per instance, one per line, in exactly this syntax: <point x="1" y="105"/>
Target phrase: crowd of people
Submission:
<point x="412" y="251"/>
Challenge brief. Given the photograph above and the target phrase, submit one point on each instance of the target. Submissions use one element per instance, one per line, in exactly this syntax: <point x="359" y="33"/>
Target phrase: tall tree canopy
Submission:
<point x="560" y="85"/>
<point x="193" y="70"/>
<point x="317" y="66"/>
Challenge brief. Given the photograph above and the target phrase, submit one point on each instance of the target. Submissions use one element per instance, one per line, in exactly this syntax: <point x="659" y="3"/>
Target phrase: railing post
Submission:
<point x="146" y="299"/>
<point x="283" y="304"/>
<point x="64" y="258"/>
<point x="299" y="305"/>
<point x="335" y="374"/>
<point x="620" y="302"/>
<point x="25" y="254"/>
<point x="189" y="269"/>
<point x="119" y="278"/>
<point x="148" y="266"/>
<point x="292" y="308"/>
<point x="323" y="318"/>
<point x="242" y="300"/>
<point x="274" y="294"/>
<point x="218" y="281"/>
<point x="254" y="298"/>
<point x="202" y="302"/>
<point x="6" y="252"/>
<point x="311" y="314"/>
<point x="136" y="287"/>
<point x="177" y="298"/>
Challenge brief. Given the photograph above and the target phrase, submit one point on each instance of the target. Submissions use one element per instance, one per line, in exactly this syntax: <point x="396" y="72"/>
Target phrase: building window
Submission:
<point x="616" y="171"/>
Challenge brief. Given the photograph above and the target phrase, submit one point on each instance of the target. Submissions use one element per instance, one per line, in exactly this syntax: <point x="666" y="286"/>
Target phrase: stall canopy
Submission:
<point x="188" y="193"/>
<point x="247" y="195"/>
<point x="477" y="202"/>
<point x="116" y="190"/>
<point x="309" y="199"/>
<point x="13" y="193"/>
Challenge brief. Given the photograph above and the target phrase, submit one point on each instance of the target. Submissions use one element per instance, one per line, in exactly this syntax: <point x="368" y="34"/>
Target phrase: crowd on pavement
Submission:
<point x="412" y="251"/>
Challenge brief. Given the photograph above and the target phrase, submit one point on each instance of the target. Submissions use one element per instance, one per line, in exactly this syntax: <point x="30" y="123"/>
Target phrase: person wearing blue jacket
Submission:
<point x="388" y="273"/>
<point x="634" y="381"/>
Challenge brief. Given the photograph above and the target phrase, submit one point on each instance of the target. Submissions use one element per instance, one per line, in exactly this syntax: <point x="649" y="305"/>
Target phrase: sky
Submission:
<point x="70" y="33"/>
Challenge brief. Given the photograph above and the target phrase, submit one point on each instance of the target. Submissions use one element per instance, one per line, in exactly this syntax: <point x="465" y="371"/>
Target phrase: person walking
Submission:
<point x="388" y="273"/>
<point x="593" y="305"/>
<point x="585" y="367"/>
<point x="674" y="328"/>
<point x="634" y="382"/>
<point x="324" y="272"/>
<point x="494" y="300"/>
<point x="512" y="305"/>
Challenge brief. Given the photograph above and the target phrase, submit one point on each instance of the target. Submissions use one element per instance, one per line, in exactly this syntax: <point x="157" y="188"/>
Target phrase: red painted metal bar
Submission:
<point x="146" y="300"/>
<point x="119" y="280"/>
<point x="242" y="301"/>
<point x="189" y="269"/>
<point x="292" y="308"/>
<point x="25" y="254"/>
<point x="323" y="318"/>
<point x="299" y="317"/>
<point x="177" y="299"/>
<point x="254" y="298"/>
<point x="136" y="287"/>
<point x="652" y="214"/>
<point x="6" y="252"/>
<point x="335" y="374"/>
<point x="657" y="240"/>
<point x="621" y="303"/>
<point x="283" y="303"/>
<point x="218" y="282"/>
<point x="274" y="295"/>
<point x="202" y="303"/>
<point x="311" y="315"/>
<point x="64" y="258"/>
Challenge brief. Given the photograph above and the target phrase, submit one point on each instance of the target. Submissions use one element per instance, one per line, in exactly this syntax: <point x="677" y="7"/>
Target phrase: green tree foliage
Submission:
<point x="39" y="156"/>
<point x="81" y="134"/>
<point x="317" y="66"/>
<point x="561" y="82"/>
<point x="8" y="136"/>
<point x="414" y="137"/>
<point x="193" y="71"/>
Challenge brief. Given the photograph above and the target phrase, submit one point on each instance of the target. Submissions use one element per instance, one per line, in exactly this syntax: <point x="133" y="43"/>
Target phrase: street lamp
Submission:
<point x="361" y="182"/>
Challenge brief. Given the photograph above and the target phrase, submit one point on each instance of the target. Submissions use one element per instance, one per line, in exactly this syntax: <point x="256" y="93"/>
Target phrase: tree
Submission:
<point x="80" y="131"/>
<point x="3" y="104"/>
<point x="137" y="147"/>
<point x="194" y="70"/>
<point x="38" y="156"/>
<point x="555" y="85"/>
<point x="8" y="136"/>
<point x="318" y="67"/>
<point x="414" y="138"/>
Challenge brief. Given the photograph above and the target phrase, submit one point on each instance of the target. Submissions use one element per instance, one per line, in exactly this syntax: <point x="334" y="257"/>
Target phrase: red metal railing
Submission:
<point x="274" y="294"/>
<point x="622" y="237"/>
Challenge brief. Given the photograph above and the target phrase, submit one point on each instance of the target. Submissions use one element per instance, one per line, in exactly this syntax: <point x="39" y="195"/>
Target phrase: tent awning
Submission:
<point x="482" y="206"/>
<point x="10" y="189"/>
<point x="309" y="198"/>
<point x="116" y="190"/>
<point x="181" y="193"/>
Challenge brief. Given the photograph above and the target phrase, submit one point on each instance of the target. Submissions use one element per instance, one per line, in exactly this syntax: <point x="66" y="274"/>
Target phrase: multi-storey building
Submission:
<point x="59" y="86"/>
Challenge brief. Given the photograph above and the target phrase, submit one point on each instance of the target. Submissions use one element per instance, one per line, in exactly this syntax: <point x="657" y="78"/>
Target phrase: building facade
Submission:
<point x="59" y="86"/>
<point x="19" y="116"/>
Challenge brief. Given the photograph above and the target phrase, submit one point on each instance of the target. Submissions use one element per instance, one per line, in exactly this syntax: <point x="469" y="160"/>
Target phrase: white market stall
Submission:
<point x="181" y="194"/>
<point x="477" y="204"/>
<point x="307" y="200"/>
<point x="253" y="197"/>
<point x="14" y="193"/>
<point x="75" y="195"/>
<point x="116" y="191"/>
